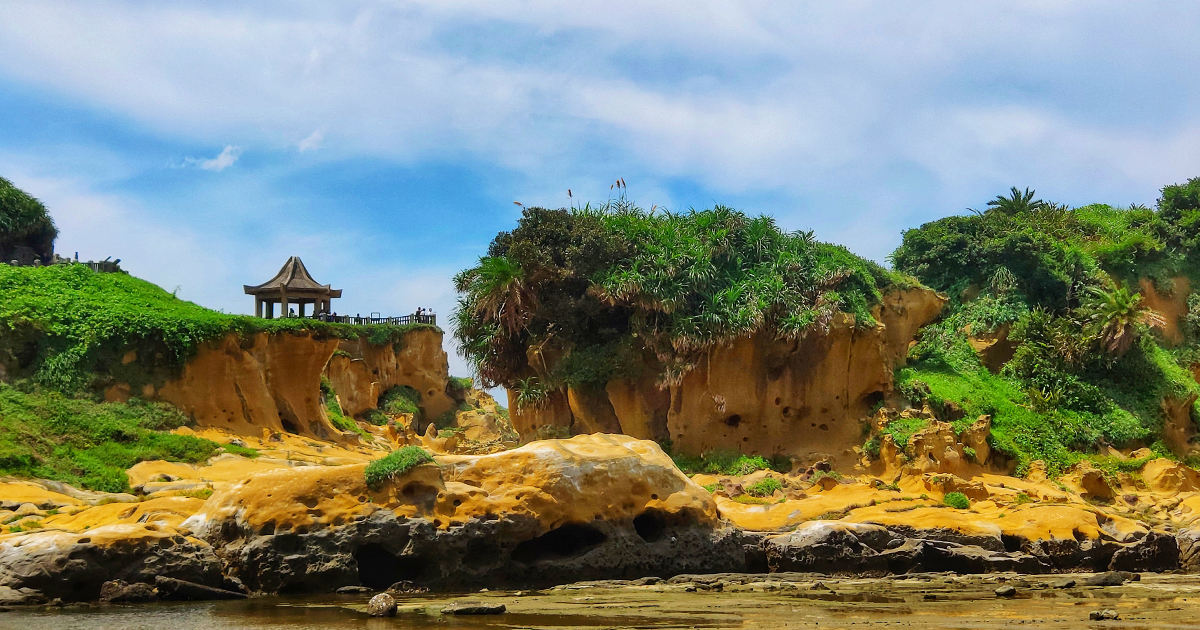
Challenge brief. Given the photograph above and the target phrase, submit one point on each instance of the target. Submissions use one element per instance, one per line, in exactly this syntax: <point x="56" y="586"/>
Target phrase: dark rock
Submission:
<point x="1108" y="578"/>
<point x="120" y="591"/>
<point x="473" y="608"/>
<point x="513" y="551"/>
<point x="1103" y="615"/>
<point x="1065" y="583"/>
<point x="382" y="605"/>
<point x="830" y="547"/>
<point x="354" y="590"/>
<point x="72" y="568"/>
<point x="1157" y="551"/>
<point x="1006" y="591"/>
<point x="171" y="588"/>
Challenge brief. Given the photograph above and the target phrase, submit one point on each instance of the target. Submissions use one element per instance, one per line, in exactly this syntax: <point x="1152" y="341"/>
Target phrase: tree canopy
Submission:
<point x="596" y="290"/>
<point x="24" y="221"/>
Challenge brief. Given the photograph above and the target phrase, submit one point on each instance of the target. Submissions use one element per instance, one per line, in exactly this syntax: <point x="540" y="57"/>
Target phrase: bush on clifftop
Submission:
<point x="24" y="221"/>
<point x="605" y="291"/>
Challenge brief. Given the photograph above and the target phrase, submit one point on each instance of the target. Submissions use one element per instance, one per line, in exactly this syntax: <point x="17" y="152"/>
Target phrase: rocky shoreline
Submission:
<point x="599" y="507"/>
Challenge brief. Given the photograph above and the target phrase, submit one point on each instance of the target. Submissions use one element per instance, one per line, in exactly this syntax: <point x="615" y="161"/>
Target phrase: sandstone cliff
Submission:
<point x="759" y="394"/>
<point x="272" y="381"/>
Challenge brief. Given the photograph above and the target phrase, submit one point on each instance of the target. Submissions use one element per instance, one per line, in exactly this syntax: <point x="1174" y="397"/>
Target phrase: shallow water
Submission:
<point x="937" y="601"/>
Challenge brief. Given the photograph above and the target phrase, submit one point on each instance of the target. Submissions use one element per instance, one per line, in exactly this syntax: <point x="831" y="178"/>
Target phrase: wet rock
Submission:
<point x="74" y="566"/>
<point x="514" y="551"/>
<point x="1157" y="551"/>
<point x="20" y="596"/>
<point x="829" y="547"/>
<point x="1188" y="542"/>
<point x="1006" y="591"/>
<point x="473" y="608"/>
<point x="407" y="587"/>
<point x="171" y="588"/>
<point x="1064" y="583"/>
<point x="382" y="605"/>
<point x="1108" y="578"/>
<point x="1103" y="615"/>
<point x="354" y="590"/>
<point x="120" y="592"/>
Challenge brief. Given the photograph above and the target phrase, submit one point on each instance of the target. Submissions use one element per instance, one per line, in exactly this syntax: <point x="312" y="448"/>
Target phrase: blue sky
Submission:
<point x="385" y="142"/>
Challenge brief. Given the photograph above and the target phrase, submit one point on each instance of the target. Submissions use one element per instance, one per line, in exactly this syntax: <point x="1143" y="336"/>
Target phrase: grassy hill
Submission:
<point x="1091" y="366"/>
<point x="63" y="331"/>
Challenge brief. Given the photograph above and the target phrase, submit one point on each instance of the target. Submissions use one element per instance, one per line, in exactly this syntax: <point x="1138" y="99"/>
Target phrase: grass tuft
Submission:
<point x="395" y="464"/>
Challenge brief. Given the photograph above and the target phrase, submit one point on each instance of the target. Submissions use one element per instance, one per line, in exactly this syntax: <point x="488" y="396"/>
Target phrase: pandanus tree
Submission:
<point x="1017" y="202"/>
<point x="1118" y="316"/>
<point x="24" y="221"/>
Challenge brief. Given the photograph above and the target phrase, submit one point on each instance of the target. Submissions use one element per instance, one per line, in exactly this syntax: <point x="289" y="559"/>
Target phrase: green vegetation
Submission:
<point x="333" y="409"/>
<point x="956" y="500"/>
<point x="726" y="462"/>
<point x="616" y="290"/>
<point x="68" y="327"/>
<point x="1091" y="365"/>
<point x="764" y="487"/>
<point x="24" y="221"/>
<point x="395" y="464"/>
<point x="79" y="441"/>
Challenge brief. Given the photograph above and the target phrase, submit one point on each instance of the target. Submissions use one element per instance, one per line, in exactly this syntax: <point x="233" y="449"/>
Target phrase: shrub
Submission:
<point x="727" y="462"/>
<point x="956" y="500"/>
<point x="395" y="464"/>
<point x="764" y="487"/>
<point x="401" y="399"/>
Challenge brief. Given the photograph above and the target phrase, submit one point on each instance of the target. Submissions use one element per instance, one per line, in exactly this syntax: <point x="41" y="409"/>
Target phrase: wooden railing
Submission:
<point x="402" y="320"/>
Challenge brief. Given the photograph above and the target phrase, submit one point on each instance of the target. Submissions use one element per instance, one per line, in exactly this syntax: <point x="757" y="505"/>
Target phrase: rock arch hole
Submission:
<point x="289" y="426"/>
<point x="650" y="525"/>
<point x="379" y="568"/>
<point x="566" y="541"/>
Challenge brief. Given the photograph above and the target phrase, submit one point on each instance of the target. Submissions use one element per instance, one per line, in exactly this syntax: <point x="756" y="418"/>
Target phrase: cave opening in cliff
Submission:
<point x="650" y="525"/>
<point x="562" y="542"/>
<point x="288" y="426"/>
<point x="379" y="568"/>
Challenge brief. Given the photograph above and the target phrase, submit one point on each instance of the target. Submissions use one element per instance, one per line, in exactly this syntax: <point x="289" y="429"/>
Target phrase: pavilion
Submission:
<point x="292" y="285"/>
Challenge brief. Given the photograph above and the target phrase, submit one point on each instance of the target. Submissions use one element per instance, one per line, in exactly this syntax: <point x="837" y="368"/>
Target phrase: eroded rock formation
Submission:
<point x="757" y="395"/>
<point x="600" y="506"/>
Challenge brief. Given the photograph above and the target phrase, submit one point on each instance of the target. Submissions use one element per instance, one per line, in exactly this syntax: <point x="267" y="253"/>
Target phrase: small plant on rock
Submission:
<point x="956" y="500"/>
<point x="395" y="464"/>
<point x="764" y="487"/>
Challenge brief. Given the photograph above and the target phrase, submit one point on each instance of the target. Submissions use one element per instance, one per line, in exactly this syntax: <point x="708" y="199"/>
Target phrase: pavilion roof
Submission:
<point x="294" y="277"/>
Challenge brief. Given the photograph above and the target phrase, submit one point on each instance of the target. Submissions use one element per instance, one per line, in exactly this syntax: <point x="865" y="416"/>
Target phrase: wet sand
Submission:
<point x="758" y="602"/>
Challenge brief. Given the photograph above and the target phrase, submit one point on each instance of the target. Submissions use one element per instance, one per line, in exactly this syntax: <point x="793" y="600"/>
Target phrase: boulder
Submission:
<point x="1157" y="551"/>
<point x="122" y="592"/>
<point x="382" y="605"/>
<point x="546" y="513"/>
<point x="75" y="566"/>
<point x="1188" y="542"/>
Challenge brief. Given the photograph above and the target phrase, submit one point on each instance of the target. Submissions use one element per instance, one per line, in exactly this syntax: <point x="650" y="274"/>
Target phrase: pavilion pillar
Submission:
<point x="258" y="307"/>
<point x="270" y="308"/>
<point x="283" y="302"/>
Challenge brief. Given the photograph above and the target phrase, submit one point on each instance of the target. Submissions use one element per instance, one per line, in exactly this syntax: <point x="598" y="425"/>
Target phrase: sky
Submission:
<point x="385" y="142"/>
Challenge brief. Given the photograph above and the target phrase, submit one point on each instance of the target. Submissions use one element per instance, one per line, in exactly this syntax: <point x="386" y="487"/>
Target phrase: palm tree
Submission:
<point x="1117" y="315"/>
<point x="499" y="292"/>
<point x="1017" y="202"/>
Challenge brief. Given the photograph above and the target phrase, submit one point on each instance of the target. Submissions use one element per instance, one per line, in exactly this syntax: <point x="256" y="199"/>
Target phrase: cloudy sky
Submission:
<point x="385" y="142"/>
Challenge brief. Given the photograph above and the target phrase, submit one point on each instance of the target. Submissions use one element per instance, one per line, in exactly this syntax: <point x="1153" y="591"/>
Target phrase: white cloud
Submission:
<point x="313" y="141"/>
<point x="224" y="159"/>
